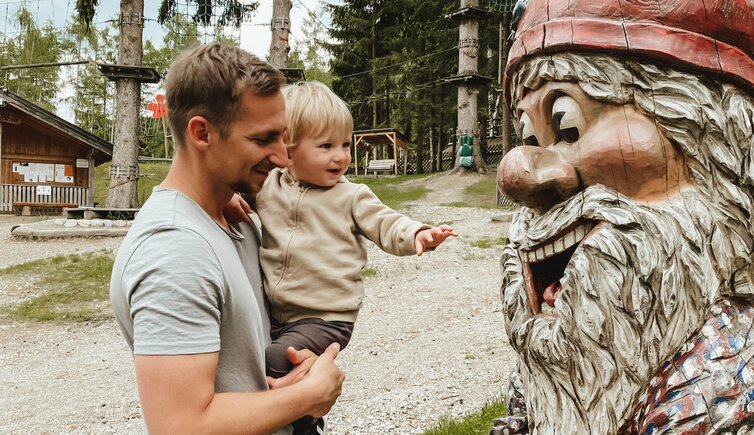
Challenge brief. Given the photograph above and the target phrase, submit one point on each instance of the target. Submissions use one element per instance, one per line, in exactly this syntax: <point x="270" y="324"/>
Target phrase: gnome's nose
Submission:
<point x="536" y="177"/>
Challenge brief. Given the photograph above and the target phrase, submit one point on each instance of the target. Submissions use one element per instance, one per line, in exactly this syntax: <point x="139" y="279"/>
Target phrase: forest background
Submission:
<point x="386" y="58"/>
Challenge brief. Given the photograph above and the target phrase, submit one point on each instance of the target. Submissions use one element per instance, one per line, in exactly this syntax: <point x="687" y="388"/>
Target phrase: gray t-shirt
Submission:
<point x="182" y="284"/>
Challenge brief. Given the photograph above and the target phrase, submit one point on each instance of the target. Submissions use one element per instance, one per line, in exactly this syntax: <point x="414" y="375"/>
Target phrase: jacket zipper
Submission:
<point x="287" y="257"/>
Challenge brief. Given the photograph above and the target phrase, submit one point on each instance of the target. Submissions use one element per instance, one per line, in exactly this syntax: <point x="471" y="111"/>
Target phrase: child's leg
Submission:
<point x="312" y="334"/>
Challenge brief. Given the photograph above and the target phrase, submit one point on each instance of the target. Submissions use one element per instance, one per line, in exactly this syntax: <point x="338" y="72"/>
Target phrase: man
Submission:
<point x="186" y="287"/>
<point x="628" y="282"/>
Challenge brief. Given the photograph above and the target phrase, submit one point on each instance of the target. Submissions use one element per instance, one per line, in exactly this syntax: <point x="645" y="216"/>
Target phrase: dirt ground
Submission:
<point x="429" y="341"/>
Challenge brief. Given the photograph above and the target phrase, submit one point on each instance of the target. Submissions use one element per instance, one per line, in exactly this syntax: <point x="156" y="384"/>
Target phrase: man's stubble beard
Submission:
<point x="632" y="294"/>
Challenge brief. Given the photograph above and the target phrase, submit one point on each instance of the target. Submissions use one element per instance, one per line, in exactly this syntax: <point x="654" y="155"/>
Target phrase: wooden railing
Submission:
<point x="10" y="193"/>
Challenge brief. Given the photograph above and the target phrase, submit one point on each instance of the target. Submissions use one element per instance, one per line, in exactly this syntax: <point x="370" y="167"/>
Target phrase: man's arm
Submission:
<point x="177" y="394"/>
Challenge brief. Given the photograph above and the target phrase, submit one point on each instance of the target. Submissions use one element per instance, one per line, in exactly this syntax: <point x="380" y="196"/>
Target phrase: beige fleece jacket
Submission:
<point x="313" y="246"/>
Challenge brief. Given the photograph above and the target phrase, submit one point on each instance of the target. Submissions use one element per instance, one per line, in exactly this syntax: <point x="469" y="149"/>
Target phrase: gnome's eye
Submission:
<point x="527" y="131"/>
<point x="567" y="119"/>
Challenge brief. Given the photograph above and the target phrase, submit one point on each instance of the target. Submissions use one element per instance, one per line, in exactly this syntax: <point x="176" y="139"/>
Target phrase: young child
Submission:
<point x="314" y="222"/>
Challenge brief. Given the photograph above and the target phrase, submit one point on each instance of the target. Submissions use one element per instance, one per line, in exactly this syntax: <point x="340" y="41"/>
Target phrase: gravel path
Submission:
<point x="429" y="341"/>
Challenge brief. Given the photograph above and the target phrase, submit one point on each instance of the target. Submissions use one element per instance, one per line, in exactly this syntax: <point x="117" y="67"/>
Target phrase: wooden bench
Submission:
<point x="380" y="166"/>
<point x="26" y="207"/>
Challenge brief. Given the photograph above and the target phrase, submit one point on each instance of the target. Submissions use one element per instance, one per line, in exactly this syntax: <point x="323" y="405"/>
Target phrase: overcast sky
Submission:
<point x="254" y="35"/>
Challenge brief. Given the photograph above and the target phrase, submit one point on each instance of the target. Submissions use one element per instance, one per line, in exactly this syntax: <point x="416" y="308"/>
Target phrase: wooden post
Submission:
<point x="281" y="27"/>
<point x="90" y="183"/>
<point x="123" y="192"/>
<point x="405" y="159"/>
<point x="1" y="153"/>
<point x="395" y="154"/>
<point x="468" y="63"/>
<point x="355" y="157"/>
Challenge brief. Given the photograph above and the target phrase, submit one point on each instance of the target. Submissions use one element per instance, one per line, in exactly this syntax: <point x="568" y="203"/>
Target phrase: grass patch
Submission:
<point x="152" y="174"/>
<point x="482" y="194"/>
<point x="471" y="256"/>
<point x="73" y="287"/>
<point x="368" y="271"/>
<point x="488" y="242"/>
<point x="474" y="424"/>
<point x="388" y="188"/>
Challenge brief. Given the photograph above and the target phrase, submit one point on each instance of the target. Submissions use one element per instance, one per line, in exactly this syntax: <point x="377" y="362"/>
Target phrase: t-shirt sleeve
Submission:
<point x="175" y="284"/>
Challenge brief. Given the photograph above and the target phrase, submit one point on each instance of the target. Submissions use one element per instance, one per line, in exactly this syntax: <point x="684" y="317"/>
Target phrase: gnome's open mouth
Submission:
<point x="545" y="263"/>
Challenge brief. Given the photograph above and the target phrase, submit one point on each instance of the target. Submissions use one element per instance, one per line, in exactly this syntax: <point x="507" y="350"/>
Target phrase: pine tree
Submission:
<point x="32" y="45"/>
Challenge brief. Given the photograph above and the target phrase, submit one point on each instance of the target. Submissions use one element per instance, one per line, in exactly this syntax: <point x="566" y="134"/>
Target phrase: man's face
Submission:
<point x="595" y="286"/>
<point x="253" y="144"/>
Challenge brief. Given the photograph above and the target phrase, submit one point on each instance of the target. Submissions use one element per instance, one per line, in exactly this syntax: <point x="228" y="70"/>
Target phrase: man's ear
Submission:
<point x="198" y="132"/>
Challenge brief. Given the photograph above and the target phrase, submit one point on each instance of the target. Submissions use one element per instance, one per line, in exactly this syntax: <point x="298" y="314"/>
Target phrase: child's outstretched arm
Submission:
<point x="429" y="238"/>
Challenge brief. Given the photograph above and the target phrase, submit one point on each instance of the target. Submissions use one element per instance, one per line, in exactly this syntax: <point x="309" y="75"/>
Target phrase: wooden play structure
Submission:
<point x="374" y="142"/>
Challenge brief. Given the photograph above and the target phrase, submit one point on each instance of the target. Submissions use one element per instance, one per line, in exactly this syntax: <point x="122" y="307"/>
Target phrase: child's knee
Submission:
<point x="276" y="359"/>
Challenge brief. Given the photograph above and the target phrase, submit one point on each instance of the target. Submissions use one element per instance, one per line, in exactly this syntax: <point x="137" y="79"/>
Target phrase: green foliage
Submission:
<point x="389" y="60"/>
<point x="32" y="45"/>
<point x="482" y="194"/>
<point x="479" y="423"/>
<point x="73" y="287"/>
<point x="93" y="101"/>
<point x="152" y="174"/>
<point x="390" y="189"/>
<point x="210" y="12"/>
<point x="309" y="54"/>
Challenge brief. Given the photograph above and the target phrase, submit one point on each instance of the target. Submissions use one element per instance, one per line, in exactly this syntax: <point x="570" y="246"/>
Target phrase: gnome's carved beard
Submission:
<point x="631" y="294"/>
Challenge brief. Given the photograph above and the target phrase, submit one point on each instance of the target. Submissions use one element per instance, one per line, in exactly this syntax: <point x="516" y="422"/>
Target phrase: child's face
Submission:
<point x="321" y="160"/>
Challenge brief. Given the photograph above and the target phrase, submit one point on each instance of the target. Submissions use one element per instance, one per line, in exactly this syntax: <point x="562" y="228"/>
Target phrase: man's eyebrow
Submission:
<point x="264" y="136"/>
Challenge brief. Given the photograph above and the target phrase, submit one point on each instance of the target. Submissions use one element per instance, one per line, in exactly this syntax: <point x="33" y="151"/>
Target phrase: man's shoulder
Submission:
<point x="169" y="223"/>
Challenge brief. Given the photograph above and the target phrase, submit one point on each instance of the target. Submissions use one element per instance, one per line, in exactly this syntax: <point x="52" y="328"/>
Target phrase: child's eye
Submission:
<point x="326" y="146"/>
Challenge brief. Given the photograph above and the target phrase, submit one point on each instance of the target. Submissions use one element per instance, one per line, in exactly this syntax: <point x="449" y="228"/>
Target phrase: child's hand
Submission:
<point x="432" y="237"/>
<point x="236" y="210"/>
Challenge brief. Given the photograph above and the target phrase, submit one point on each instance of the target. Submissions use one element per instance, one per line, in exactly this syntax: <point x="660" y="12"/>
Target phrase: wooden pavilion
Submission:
<point x="45" y="161"/>
<point x="377" y="140"/>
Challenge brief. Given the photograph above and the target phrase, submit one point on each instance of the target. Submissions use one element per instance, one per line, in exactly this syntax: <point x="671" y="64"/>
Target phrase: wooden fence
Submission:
<point x="10" y="193"/>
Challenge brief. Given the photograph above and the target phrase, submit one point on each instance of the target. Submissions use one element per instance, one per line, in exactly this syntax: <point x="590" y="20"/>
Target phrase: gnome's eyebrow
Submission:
<point x="543" y="104"/>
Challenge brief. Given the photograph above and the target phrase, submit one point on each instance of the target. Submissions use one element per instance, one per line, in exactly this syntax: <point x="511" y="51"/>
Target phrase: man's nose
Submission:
<point x="279" y="154"/>
<point x="536" y="177"/>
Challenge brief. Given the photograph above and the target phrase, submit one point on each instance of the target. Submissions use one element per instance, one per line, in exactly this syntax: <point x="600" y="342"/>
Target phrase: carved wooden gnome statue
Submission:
<point x="628" y="286"/>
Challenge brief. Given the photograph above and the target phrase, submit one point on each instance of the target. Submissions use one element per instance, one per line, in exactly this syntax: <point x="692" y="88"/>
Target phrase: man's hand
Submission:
<point x="327" y="378"/>
<point x="430" y="238"/>
<point x="302" y="361"/>
<point x="237" y="210"/>
<point x="318" y="373"/>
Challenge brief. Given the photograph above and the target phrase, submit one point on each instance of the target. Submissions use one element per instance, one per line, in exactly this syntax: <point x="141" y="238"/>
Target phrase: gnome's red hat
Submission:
<point x="707" y="36"/>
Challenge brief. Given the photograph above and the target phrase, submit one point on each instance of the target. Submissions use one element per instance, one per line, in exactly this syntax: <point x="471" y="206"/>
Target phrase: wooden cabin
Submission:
<point x="46" y="163"/>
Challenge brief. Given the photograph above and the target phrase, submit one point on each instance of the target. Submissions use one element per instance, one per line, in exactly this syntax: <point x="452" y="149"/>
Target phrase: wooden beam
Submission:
<point x="43" y="65"/>
<point x="395" y="154"/>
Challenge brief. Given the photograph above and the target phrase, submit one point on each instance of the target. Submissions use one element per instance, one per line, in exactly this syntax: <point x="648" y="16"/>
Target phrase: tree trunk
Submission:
<point x="505" y="113"/>
<point x="374" y="66"/>
<point x="124" y="172"/>
<point x="468" y="95"/>
<point x="419" y="145"/>
<point x="281" y="27"/>
<point x="432" y="160"/>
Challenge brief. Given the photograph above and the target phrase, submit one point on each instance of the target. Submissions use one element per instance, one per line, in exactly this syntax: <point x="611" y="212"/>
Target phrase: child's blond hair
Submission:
<point x="313" y="110"/>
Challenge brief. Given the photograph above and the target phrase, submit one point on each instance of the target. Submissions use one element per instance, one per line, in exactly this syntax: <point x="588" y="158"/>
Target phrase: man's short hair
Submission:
<point x="312" y="110"/>
<point x="210" y="81"/>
